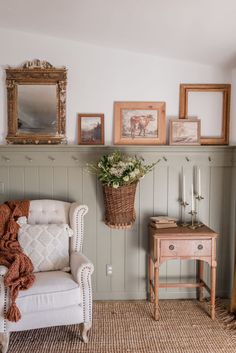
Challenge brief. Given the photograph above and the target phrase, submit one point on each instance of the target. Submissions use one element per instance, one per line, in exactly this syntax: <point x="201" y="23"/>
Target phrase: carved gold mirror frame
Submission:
<point x="224" y="89"/>
<point x="27" y="88"/>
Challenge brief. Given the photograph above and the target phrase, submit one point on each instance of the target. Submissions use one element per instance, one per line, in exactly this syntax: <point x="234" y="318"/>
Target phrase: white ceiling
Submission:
<point x="197" y="30"/>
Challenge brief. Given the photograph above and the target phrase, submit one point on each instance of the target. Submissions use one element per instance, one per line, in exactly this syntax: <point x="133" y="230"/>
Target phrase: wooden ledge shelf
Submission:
<point x="78" y="155"/>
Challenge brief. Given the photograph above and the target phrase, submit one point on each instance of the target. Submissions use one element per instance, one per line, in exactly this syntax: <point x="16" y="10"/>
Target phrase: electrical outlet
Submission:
<point x="108" y="270"/>
<point x="2" y="188"/>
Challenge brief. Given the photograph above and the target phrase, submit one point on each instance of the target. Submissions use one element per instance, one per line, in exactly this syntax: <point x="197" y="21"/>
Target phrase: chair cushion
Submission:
<point x="47" y="245"/>
<point x="48" y="211"/>
<point x="51" y="290"/>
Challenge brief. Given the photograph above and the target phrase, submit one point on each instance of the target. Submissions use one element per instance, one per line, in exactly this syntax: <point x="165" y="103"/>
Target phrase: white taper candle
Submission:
<point x="192" y="198"/>
<point x="183" y="189"/>
<point x="199" y="182"/>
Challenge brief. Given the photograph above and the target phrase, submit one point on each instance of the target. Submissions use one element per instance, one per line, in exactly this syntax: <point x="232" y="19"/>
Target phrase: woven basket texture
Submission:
<point x="119" y="206"/>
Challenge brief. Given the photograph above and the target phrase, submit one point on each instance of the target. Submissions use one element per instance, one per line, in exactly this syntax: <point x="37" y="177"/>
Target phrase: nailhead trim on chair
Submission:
<point x="3" y="288"/>
<point x="80" y="229"/>
<point x="5" y="308"/>
<point x="86" y="281"/>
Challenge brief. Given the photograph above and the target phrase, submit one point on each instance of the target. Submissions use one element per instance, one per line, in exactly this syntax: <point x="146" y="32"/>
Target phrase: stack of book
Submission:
<point x="163" y="222"/>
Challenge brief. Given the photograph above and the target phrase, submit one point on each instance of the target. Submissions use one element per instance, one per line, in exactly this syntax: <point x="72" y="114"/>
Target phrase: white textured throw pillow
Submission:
<point x="47" y="245"/>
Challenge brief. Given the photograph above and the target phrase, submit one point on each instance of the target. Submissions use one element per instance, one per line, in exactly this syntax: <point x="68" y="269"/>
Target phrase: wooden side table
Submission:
<point x="182" y="243"/>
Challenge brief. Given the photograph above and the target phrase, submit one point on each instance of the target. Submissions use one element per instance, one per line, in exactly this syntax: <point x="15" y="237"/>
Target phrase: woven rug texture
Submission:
<point x="127" y="327"/>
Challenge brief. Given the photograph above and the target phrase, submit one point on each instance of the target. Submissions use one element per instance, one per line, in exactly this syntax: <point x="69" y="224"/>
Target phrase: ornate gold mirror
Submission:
<point x="36" y="97"/>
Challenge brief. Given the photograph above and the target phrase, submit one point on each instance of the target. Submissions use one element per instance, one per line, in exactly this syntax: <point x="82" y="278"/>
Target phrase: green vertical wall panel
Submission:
<point x="30" y="173"/>
<point x="31" y="183"/>
<point x="45" y="182"/>
<point x="16" y="183"/>
<point x="4" y="180"/>
<point x="103" y="246"/>
<point x="75" y="184"/>
<point x="131" y="253"/>
<point x="217" y="214"/>
<point x="60" y="183"/>
<point x="145" y="211"/>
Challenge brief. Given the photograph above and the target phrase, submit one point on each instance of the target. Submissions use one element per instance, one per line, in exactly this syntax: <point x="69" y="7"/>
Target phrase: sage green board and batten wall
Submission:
<point x="59" y="172"/>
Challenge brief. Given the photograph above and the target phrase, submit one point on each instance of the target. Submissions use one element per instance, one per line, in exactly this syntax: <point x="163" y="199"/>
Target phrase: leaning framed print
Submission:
<point x="211" y="102"/>
<point x="91" y="129"/>
<point x="185" y="132"/>
<point x="139" y="123"/>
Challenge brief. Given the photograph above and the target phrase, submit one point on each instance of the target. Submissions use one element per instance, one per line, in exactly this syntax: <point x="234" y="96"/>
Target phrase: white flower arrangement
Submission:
<point x="119" y="169"/>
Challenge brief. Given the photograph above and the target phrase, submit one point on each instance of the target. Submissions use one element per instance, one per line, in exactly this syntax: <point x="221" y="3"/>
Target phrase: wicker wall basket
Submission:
<point x="119" y="206"/>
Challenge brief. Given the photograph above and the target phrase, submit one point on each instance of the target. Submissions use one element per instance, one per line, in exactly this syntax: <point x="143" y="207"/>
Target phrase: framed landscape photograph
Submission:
<point x="185" y="131"/>
<point x="91" y="129"/>
<point x="139" y="123"/>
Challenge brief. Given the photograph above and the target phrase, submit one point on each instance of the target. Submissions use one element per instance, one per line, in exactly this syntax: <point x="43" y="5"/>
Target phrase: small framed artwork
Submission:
<point x="185" y="131"/>
<point x="139" y="123"/>
<point x="91" y="129"/>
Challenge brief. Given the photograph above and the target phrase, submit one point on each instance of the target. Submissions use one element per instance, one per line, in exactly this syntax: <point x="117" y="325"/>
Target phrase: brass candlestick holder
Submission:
<point x="183" y="213"/>
<point x="193" y="224"/>
<point x="198" y="199"/>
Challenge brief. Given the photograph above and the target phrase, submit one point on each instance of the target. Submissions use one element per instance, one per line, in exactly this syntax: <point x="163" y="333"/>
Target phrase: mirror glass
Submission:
<point x="207" y="106"/>
<point x="37" y="109"/>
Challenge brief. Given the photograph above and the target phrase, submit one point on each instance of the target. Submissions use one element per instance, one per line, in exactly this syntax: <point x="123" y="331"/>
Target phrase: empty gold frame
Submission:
<point x="212" y="138"/>
<point x="36" y="102"/>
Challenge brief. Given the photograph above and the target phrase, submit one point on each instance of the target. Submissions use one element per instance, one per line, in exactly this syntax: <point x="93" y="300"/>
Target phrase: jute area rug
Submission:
<point x="127" y="327"/>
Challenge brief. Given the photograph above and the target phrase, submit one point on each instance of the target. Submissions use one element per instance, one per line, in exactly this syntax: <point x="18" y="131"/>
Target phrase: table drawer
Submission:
<point x="185" y="247"/>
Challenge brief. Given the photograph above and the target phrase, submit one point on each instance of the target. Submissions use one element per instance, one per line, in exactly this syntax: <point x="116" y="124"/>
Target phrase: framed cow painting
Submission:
<point x="139" y="123"/>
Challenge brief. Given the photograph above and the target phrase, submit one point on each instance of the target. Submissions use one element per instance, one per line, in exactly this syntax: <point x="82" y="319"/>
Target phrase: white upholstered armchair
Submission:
<point x="56" y="297"/>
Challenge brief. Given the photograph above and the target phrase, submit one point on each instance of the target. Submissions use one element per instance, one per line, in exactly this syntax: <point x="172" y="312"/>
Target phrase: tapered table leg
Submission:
<point x="151" y="276"/>
<point x="156" y="287"/>
<point x="200" y="278"/>
<point x="213" y="291"/>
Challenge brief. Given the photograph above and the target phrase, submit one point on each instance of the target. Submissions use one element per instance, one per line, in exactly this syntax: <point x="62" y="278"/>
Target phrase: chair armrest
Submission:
<point x="80" y="264"/>
<point x="81" y="269"/>
<point x="76" y="216"/>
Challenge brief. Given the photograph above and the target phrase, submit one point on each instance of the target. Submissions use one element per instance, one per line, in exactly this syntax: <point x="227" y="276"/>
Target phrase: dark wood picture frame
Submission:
<point x="91" y="140"/>
<point x="36" y="73"/>
<point x="223" y="139"/>
<point x="185" y="121"/>
<point x="141" y="139"/>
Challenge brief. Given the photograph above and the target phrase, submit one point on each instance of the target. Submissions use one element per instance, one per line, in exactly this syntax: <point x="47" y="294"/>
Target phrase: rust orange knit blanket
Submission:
<point x="20" y="268"/>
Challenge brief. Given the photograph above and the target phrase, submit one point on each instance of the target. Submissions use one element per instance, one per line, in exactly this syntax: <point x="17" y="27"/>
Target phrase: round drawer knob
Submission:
<point x="200" y="247"/>
<point x="171" y="247"/>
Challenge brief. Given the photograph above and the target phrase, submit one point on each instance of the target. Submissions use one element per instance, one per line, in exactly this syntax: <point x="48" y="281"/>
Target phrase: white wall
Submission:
<point x="98" y="76"/>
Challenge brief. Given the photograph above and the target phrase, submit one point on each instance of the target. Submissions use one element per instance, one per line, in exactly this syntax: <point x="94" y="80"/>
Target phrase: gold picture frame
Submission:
<point x="36" y="102"/>
<point x="225" y="89"/>
<point x="139" y="123"/>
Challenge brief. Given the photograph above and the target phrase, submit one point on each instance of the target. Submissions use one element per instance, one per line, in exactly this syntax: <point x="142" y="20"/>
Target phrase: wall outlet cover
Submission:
<point x="108" y="270"/>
